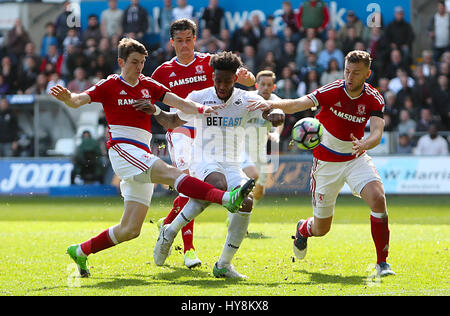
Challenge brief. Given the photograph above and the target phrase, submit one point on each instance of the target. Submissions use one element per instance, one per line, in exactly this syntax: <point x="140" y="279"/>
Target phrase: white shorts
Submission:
<point x="328" y="178"/>
<point x="232" y="172"/>
<point x="180" y="149"/>
<point x="128" y="161"/>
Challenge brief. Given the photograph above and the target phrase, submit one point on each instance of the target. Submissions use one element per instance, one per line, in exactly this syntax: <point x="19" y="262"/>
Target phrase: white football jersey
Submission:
<point x="220" y="137"/>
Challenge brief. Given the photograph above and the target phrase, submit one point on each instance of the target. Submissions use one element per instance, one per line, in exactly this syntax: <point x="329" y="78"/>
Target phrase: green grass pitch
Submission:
<point x="35" y="232"/>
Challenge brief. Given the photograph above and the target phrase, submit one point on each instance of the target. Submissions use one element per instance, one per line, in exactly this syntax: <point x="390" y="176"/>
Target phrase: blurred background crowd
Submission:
<point x="305" y="55"/>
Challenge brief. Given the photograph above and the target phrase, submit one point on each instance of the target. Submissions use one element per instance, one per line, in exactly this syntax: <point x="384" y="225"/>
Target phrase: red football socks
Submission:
<point x="197" y="189"/>
<point x="187" y="232"/>
<point x="305" y="228"/>
<point x="97" y="243"/>
<point x="380" y="235"/>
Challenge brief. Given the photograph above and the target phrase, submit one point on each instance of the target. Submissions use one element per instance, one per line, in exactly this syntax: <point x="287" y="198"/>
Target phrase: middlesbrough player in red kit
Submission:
<point x="346" y="106"/>
<point x="188" y="71"/>
<point x="129" y="148"/>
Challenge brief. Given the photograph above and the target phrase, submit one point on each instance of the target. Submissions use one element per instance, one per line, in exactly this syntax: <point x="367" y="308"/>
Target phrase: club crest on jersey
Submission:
<point x="361" y="109"/>
<point x="199" y="69"/>
<point x="237" y="102"/>
<point x="145" y="94"/>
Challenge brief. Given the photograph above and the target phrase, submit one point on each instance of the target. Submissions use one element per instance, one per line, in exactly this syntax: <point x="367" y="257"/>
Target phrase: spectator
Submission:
<point x="111" y="20"/>
<point x="243" y="36"/>
<point x="313" y="14"/>
<point x="270" y="43"/>
<point x="400" y="34"/>
<point x="164" y="22"/>
<point x="439" y="31"/>
<point x="30" y="51"/>
<point x="395" y="84"/>
<point x="53" y="57"/>
<point x="378" y="48"/>
<point x="135" y="21"/>
<point x="349" y="40"/>
<point x="93" y="29"/>
<point x="213" y="17"/>
<point x="328" y="53"/>
<point x="290" y="36"/>
<point x="441" y="101"/>
<point x="9" y="130"/>
<point x="258" y="28"/>
<point x="225" y="37"/>
<point x="427" y="62"/>
<point x="391" y="106"/>
<point x="310" y="65"/>
<point x="4" y="86"/>
<point x="285" y="87"/>
<point x="406" y="124"/>
<point x="40" y="86"/>
<point x="289" y="17"/>
<point x="310" y="83"/>
<point x="288" y="53"/>
<point x="352" y="22"/>
<point x="72" y="38"/>
<point x="332" y="73"/>
<point x="405" y="90"/>
<point x="9" y="72"/>
<point x="87" y="161"/>
<point x="315" y="44"/>
<point x="249" y="58"/>
<point x="270" y="63"/>
<point x="396" y="62"/>
<point x="421" y="88"/>
<point x="425" y="120"/>
<point x="404" y="145"/>
<point x="183" y="10"/>
<point x="17" y="39"/>
<point x="431" y="144"/>
<point x="62" y="24"/>
<point x="79" y="83"/>
<point x="48" y="39"/>
<point x="28" y="74"/>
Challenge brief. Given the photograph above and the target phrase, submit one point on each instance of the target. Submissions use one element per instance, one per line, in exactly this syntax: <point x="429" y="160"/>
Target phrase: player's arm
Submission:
<point x="276" y="117"/>
<point x="245" y="77"/>
<point x="169" y="120"/>
<point x="288" y="106"/>
<point x="73" y="100"/>
<point x="376" y="132"/>
<point x="185" y="105"/>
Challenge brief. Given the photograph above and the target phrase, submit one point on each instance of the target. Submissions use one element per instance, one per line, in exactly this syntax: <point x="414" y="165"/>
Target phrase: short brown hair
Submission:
<point x="266" y="73"/>
<point x="127" y="46"/>
<point x="182" y="25"/>
<point x="226" y="61"/>
<point x="358" y="56"/>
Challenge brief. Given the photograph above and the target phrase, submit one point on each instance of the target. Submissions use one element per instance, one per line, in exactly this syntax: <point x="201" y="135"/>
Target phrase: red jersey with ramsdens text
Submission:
<point x="127" y="125"/>
<point x="342" y="115"/>
<point x="183" y="79"/>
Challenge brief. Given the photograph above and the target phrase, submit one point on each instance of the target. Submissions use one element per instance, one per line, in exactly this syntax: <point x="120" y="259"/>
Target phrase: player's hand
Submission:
<point x="207" y="110"/>
<point x="242" y="74"/>
<point x="258" y="105"/>
<point x="61" y="93"/>
<point x="276" y="119"/>
<point x="145" y="106"/>
<point x="359" y="146"/>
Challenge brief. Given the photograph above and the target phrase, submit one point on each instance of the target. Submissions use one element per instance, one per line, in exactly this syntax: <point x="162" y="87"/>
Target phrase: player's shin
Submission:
<point x="103" y="241"/>
<point x="192" y="209"/>
<point x="237" y="229"/>
<point x="380" y="234"/>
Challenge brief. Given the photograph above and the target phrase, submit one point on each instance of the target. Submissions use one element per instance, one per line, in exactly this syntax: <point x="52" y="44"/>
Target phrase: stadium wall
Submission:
<point x="400" y="175"/>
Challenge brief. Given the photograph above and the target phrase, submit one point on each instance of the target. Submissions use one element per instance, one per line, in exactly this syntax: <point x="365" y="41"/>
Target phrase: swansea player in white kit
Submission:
<point x="186" y="72"/>
<point x="346" y="106"/>
<point x="216" y="157"/>
<point x="129" y="148"/>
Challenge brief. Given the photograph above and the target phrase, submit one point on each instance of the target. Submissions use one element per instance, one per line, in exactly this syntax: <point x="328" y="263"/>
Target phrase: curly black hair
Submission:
<point x="226" y="61"/>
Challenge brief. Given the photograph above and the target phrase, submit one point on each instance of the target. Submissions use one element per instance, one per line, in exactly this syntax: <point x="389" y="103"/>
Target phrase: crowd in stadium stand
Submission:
<point x="306" y="54"/>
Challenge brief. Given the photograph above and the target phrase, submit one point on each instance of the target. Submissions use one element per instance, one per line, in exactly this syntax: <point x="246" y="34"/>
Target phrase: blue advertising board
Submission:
<point x="236" y="11"/>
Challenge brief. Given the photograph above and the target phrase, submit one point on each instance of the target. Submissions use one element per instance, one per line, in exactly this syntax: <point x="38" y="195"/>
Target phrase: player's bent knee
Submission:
<point x="247" y="205"/>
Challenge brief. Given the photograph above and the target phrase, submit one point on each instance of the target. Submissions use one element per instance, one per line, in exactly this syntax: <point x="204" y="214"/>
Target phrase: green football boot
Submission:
<point x="238" y="195"/>
<point x="80" y="261"/>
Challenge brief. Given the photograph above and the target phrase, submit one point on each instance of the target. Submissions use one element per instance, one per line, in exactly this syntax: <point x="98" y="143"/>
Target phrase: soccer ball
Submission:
<point x="307" y="133"/>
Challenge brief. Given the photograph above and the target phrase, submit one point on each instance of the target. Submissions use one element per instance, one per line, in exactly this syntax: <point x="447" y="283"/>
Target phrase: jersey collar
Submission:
<point x="354" y="98"/>
<point x="125" y="82"/>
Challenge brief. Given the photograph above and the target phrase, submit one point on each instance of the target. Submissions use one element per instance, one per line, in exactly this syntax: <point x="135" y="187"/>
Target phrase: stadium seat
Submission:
<point x="63" y="147"/>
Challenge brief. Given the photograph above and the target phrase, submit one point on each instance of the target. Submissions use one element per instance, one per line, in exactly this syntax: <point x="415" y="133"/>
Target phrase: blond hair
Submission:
<point x="358" y="56"/>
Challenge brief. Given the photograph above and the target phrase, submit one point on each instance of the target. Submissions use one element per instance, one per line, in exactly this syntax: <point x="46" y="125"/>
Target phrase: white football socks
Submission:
<point x="237" y="229"/>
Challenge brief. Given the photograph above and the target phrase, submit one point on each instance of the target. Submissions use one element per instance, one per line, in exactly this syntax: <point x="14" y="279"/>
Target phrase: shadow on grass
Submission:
<point x="322" y="278"/>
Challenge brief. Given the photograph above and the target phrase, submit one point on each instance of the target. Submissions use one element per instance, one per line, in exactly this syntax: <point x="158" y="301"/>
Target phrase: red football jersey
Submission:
<point x="116" y="96"/>
<point x="342" y="115"/>
<point x="183" y="79"/>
